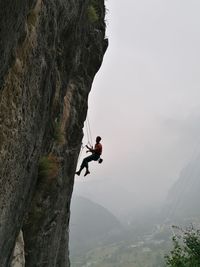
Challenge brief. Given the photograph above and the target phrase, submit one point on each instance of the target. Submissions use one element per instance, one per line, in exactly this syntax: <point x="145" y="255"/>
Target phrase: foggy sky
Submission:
<point x="145" y="102"/>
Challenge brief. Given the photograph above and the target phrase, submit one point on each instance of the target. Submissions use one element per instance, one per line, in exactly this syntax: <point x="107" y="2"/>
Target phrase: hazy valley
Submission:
<point x="100" y="239"/>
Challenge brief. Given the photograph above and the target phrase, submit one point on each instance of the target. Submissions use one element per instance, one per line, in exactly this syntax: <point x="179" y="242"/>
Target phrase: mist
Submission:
<point x="144" y="104"/>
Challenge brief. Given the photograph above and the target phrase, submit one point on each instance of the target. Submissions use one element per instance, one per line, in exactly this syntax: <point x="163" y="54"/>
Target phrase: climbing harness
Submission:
<point x="89" y="136"/>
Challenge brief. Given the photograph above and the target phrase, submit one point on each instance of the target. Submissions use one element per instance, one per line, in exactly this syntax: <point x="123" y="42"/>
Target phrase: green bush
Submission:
<point x="48" y="167"/>
<point x="58" y="135"/>
<point x="92" y="14"/>
<point x="186" y="249"/>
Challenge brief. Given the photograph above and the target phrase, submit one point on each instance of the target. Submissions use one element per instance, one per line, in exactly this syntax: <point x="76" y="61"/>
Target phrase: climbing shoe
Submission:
<point x="87" y="172"/>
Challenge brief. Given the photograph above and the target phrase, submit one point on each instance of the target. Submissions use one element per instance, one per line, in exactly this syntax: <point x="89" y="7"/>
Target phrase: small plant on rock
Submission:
<point x="58" y="134"/>
<point x="48" y="167"/>
<point x="92" y="13"/>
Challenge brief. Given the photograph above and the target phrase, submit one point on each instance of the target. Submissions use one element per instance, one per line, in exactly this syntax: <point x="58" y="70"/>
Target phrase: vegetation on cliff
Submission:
<point x="186" y="249"/>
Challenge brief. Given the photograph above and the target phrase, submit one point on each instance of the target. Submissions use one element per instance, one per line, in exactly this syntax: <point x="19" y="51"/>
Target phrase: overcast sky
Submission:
<point x="145" y="101"/>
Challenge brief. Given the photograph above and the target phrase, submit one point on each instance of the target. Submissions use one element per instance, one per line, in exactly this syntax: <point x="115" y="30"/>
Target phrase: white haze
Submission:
<point x="145" y="103"/>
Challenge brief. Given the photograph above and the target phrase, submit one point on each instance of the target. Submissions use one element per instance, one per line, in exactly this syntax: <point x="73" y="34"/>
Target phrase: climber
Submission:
<point x="96" y="153"/>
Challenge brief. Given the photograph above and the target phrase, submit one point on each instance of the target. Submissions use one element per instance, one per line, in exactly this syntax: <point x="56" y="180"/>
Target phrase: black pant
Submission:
<point x="93" y="157"/>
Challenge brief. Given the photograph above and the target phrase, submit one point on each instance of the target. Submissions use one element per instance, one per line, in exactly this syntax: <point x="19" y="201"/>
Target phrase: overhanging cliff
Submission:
<point x="50" y="51"/>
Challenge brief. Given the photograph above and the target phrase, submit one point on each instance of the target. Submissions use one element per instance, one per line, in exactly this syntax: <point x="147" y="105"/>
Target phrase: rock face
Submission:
<point x="50" y="51"/>
<point x="18" y="254"/>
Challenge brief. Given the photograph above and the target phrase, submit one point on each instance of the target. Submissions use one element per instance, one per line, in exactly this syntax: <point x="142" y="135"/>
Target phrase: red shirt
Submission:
<point x="98" y="149"/>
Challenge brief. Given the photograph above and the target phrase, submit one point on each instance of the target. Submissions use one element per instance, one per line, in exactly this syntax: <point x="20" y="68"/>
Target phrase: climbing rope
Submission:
<point x="89" y="141"/>
<point x="88" y="131"/>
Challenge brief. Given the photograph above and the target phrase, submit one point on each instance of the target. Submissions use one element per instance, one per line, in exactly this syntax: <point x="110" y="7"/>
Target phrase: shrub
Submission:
<point x="92" y="14"/>
<point x="58" y="135"/>
<point x="48" y="167"/>
<point x="186" y="249"/>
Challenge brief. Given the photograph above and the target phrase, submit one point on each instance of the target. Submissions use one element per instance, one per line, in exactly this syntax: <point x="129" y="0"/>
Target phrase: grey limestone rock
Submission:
<point x="19" y="254"/>
<point x="50" y="51"/>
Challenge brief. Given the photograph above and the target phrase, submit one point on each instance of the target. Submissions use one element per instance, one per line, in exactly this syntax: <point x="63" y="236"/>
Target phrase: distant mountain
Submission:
<point x="90" y="224"/>
<point x="184" y="196"/>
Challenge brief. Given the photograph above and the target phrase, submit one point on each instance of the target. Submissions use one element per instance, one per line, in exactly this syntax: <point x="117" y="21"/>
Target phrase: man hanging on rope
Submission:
<point x="96" y="153"/>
